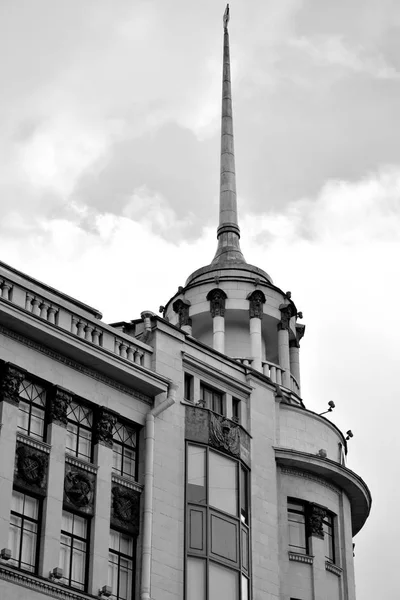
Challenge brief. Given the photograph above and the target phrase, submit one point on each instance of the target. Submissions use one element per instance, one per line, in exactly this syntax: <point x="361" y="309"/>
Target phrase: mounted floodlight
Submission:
<point x="349" y="434"/>
<point x="331" y="405"/>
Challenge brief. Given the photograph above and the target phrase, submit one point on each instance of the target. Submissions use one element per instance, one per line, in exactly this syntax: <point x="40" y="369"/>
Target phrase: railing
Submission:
<point x="273" y="371"/>
<point x="62" y="313"/>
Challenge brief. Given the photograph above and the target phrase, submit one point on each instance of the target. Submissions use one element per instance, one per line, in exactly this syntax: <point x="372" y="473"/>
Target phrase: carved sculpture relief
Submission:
<point x="11" y="379"/>
<point x="125" y="508"/>
<point x="217" y="299"/>
<point x="31" y="467"/>
<point x="224" y="435"/>
<point x="181" y="307"/>
<point x="79" y="488"/>
<point x="295" y="343"/>
<point x="257" y="299"/>
<point x="59" y="402"/>
<point x="105" y="421"/>
<point x="286" y="315"/>
<point x="316" y="518"/>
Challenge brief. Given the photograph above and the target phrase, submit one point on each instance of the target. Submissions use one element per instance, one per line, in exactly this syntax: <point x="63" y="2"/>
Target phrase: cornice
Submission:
<point x="125" y="482"/>
<point x="81" y="464"/>
<point x="305" y="475"/>
<point x="75" y="365"/>
<point x="28" y="441"/>
<point x="333" y="568"/>
<point x="303" y="558"/>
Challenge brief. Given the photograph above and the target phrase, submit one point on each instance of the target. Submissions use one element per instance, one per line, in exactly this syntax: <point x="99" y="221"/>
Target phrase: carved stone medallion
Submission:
<point x="125" y="508"/>
<point x="31" y="467"/>
<point x="79" y="488"/>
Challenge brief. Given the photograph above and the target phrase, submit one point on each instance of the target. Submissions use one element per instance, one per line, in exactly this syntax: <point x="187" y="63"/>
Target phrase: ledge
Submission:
<point x="333" y="568"/>
<point x="43" y="586"/>
<point x="303" y="558"/>
<point x="126" y="482"/>
<point x="351" y="483"/>
<point x="82" y="464"/>
<point x="29" y="441"/>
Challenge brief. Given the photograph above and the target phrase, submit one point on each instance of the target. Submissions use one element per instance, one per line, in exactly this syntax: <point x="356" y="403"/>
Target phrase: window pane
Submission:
<point x="14" y="537"/>
<point x="29" y="546"/>
<point x="244" y="495"/>
<point x="245" y="588"/>
<point x="245" y="550"/>
<point x="113" y="573"/>
<point x="223" y="483"/>
<point x="196" y="579"/>
<point x="223" y="583"/>
<point x="80" y="526"/>
<point x="31" y="507"/>
<point x="37" y="427"/>
<point x="126" y="545"/>
<point x="78" y="566"/>
<point x="196" y="474"/>
<point x="224" y="538"/>
<point x="23" y="416"/>
<point x="297" y="536"/>
<point x="17" y="502"/>
<point x="67" y="521"/>
<point x="196" y="526"/>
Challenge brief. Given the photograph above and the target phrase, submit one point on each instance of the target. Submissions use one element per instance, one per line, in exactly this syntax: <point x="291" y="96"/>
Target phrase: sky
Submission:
<point x="109" y="154"/>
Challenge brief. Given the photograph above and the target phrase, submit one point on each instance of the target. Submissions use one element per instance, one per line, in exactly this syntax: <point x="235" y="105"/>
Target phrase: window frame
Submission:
<point x="38" y="523"/>
<point x="80" y="426"/>
<point x="209" y="512"/>
<point x="329" y="526"/>
<point x="72" y="536"/>
<point x="211" y="403"/>
<point x="31" y="405"/>
<point x="124" y="445"/>
<point x="120" y="555"/>
<point x="303" y="507"/>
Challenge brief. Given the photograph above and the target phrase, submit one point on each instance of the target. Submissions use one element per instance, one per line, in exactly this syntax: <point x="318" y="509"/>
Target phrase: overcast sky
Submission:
<point x="109" y="150"/>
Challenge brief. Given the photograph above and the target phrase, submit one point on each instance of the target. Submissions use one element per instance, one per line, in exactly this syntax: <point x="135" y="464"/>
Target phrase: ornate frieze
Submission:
<point x="31" y="466"/>
<point x="59" y="402"/>
<point x="217" y="299"/>
<point x="104" y="425"/>
<point x="79" y="487"/>
<point x="256" y="299"/>
<point x="316" y="516"/>
<point x="181" y="307"/>
<point x="10" y="382"/>
<point x="286" y="315"/>
<point x="224" y="435"/>
<point x="125" y="508"/>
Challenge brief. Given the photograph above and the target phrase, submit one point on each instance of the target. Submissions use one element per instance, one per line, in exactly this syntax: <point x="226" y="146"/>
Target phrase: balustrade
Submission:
<point x="129" y="351"/>
<point x="273" y="371"/>
<point x="41" y="308"/>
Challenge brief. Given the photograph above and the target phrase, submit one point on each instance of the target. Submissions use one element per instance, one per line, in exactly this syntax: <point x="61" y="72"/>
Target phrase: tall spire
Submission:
<point x="228" y="232"/>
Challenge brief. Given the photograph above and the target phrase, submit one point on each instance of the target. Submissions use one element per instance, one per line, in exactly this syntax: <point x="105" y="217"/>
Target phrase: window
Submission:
<point x="236" y="410"/>
<point x="329" y="538"/>
<point x="212" y="399"/>
<point x="298" y="541"/>
<point x="124" y="450"/>
<point x="217" y="533"/>
<point x="120" y="565"/>
<point x="188" y="387"/>
<point x="24" y="529"/>
<point x="79" y="431"/>
<point x="32" y="406"/>
<point x="74" y="549"/>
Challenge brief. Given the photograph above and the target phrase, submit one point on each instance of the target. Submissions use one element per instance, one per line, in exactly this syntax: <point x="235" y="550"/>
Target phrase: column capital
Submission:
<point x="60" y="400"/>
<point x="217" y="299"/>
<point x="10" y="380"/>
<point x="316" y="516"/>
<point x="256" y="299"/>
<point x="181" y="307"/>
<point x="105" y="421"/>
<point x="295" y="342"/>
<point x="286" y="314"/>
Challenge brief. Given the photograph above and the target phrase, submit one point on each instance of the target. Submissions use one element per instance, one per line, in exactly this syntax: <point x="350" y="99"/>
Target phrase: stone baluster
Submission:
<point x="5" y="290"/>
<point x="28" y="302"/>
<point x="294" y="349"/>
<point x="283" y="342"/>
<point x="80" y="329"/>
<point x="74" y="325"/>
<point x="96" y="337"/>
<point x="217" y="298"/>
<point x="122" y="350"/>
<point x="88" y="332"/>
<point x="44" y="307"/>
<point x="131" y="353"/>
<point x="256" y="299"/>
<point x="51" y="315"/>
<point x="139" y="357"/>
<point x="36" y="306"/>
<point x="272" y="373"/>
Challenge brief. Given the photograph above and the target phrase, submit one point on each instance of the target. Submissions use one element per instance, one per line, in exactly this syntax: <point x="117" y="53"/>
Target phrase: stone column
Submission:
<point x="294" y="350"/>
<point x="283" y="343"/>
<point x="53" y="505"/>
<point x="257" y="299"/>
<point x="10" y="382"/>
<point x="98" y="577"/>
<point x="181" y="307"/>
<point x="217" y="299"/>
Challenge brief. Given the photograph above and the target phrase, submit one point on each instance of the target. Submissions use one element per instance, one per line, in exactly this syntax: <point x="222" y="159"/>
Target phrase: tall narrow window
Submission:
<point x="124" y="450"/>
<point x="24" y="530"/>
<point x="297" y="527"/>
<point x="329" y="538"/>
<point x="79" y="431"/>
<point x="188" y="391"/>
<point x="212" y="399"/>
<point x="32" y="406"/>
<point x="236" y="410"/>
<point x="120" y="565"/>
<point x="74" y="549"/>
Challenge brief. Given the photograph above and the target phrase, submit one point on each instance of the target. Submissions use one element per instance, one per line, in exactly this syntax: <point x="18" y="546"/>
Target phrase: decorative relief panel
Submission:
<point x="10" y="381"/>
<point x="286" y="315"/>
<point x="181" y="307"/>
<point x="257" y="299"/>
<point x="79" y="487"/>
<point x="224" y="435"/>
<point x="59" y="402"/>
<point x="316" y="518"/>
<point x="217" y="299"/>
<point x="105" y="421"/>
<point x="125" y="508"/>
<point x="31" y="466"/>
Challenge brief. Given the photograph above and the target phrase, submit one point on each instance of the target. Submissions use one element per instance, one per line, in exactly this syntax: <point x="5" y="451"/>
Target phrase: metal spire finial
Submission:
<point x="226" y="17"/>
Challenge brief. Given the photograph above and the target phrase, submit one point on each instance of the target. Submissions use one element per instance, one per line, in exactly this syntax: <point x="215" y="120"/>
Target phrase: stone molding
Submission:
<point x="40" y="585"/>
<point x="303" y="558"/>
<point x="304" y="475"/>
<point x="28" y="441"/>
<point x="329" y="566"/>
<point x="10" y="381"/>
<point x="59" y="402"/>
<point x="76" y="366"/>
<point x="181" y="307"/>
<point x="217" y="298"/>
<point x="81" y="464"/>
<point x="128" y="483"/>
<point x="256" y="299"/>
<point x="104" y="425"/>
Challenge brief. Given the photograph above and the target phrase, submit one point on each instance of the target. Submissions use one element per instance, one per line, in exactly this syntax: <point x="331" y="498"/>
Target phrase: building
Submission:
<point x="171" y="457"/>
